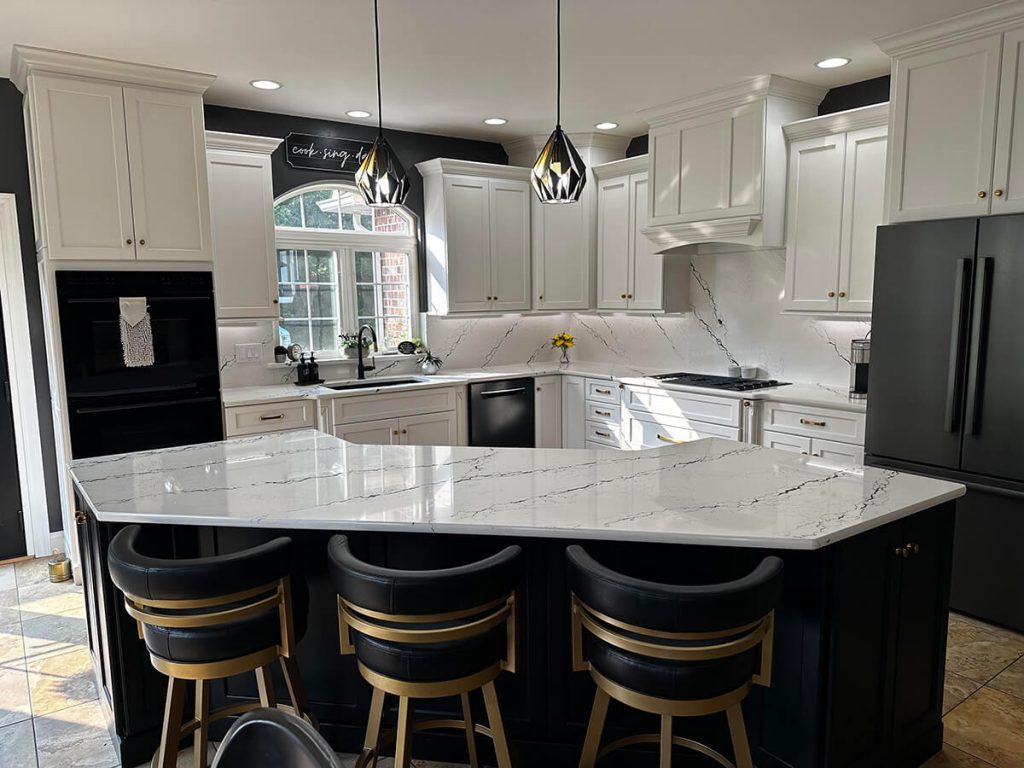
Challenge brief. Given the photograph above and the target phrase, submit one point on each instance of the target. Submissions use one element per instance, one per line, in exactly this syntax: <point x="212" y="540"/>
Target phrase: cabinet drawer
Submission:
<point x="785" y="442"/>
<point x="593" y="445"/>
<point x="271" y="417"/>
<point x="380" y="406"/>
<point x="844" y="426"/>
<point x="724" y="411"/>
<point x="658" y="434"/>
<point x="603" y="391"/>
<point x="606" y="414"/>
<point x="839" y="455"/>
<point x="597" y="432"/>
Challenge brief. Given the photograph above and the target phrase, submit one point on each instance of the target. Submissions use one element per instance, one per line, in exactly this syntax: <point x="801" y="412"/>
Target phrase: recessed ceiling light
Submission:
<point x="265" y="85"/>
<point x="606" y="126"/>
<point x="495" y="121"/>
<point x="832" y="62"/>
<point x="358" y="113"/>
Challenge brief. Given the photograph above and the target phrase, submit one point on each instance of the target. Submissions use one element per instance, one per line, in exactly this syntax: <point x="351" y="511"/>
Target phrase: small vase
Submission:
<point x="429" y="367"/>
<point x="348" y="353"/>
<point x="565" y="355"/>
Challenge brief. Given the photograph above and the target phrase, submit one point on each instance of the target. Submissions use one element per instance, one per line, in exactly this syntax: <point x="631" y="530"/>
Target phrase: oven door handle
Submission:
<point x="140" y="406"/>
<point x="502" y="392"/>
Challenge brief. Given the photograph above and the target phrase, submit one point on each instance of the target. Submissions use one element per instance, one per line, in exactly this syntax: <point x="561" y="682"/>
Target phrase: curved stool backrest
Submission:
<point x="271" y="738"/>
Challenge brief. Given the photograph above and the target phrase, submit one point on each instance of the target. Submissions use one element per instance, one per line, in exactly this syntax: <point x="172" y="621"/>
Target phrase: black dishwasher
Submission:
<point x="501" y="413"/>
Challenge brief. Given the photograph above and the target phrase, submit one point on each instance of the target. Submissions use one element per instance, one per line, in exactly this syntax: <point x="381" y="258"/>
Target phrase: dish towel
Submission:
<point x="136" y="332"/>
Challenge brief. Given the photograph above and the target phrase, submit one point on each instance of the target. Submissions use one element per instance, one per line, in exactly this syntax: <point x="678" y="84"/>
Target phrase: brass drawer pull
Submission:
<point x="910" y="548"/>
<point x="602" y="391"/>
<point x="670" y="440"/>
<point x="812" y="423"/>
<point x="602" y="434"/>
<point x="276" y="417"/>
<point x="602" y="413"/>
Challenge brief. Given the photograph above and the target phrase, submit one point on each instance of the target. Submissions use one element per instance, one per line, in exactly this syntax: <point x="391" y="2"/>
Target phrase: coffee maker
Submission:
<point x="860" y="357"/>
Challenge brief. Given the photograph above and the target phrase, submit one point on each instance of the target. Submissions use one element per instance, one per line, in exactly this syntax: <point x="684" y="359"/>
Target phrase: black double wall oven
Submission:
<point x="116" y="409"/>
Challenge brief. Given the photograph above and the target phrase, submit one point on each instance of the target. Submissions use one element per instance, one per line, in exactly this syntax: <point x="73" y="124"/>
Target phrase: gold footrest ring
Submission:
<point x="679" y="741"/>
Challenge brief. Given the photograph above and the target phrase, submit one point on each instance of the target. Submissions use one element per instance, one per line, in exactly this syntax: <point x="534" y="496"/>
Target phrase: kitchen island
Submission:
<point x="860" y="635"/>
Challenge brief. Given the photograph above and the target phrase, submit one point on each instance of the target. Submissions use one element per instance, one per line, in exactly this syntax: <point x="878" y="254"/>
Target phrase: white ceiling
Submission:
<point x="447" y="64"/>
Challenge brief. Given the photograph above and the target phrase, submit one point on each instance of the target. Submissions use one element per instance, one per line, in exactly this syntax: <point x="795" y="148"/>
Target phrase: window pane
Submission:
<point x="389" y="220"/>
<point x="325" y="335"/>
<point x="364" y="267"/>
<point x="287" y="213"/>
<point x="321" y="266"/>
<point x="396" y="329"/>
<point x="366" y="300"/>
<point x="298" y="332"/>
<point x="291" y="266"/>
<point x="321" y="206"/>
<point x="294" y="301"/>
<point x="323" y="301"/>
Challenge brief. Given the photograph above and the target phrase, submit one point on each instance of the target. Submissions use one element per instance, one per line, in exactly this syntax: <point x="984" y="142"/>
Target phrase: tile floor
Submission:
<point x="50" y="716"/>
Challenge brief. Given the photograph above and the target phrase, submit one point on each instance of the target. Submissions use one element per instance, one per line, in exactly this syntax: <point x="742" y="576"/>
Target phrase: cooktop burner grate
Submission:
<point x="731" y="383"/>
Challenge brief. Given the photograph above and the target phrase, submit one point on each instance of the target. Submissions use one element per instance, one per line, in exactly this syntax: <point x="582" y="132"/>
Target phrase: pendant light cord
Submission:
<point x="558" y="64"/>
<point x="376" y="35"/>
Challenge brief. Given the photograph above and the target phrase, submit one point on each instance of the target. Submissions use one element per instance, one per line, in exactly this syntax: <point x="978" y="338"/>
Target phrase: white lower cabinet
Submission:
<point x="834" y="436"/>
<point x="269" y="417"/>
<point x="547" y="412"/>
<point x="428" y="429"/>
<point x="378" y="432"/>
<point x="574" y="410"/>
<point x="657" y="431"/>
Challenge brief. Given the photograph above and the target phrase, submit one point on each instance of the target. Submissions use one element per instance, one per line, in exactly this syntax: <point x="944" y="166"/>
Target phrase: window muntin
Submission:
<point x="334" y="209"/>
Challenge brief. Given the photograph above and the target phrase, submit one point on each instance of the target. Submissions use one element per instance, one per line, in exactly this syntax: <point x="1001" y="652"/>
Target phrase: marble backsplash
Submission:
<point x="735" y="320"/>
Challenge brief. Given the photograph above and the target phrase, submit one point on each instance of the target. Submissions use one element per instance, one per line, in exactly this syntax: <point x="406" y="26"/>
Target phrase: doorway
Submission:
<point x="12" y="521"/>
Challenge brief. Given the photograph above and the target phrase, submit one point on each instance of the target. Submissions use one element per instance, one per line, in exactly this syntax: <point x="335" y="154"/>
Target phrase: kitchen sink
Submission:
<point x="371" y="384"/>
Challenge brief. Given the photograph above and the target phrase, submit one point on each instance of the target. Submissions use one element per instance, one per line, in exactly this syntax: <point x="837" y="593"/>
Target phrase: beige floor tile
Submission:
<point x="32" y="572"/>
<point x="59" y="682"/>
<point x="18" y="745"/>
<point x="15" y="704"/>
<point x="977" y="652"/>
<point x="956" y="689"/>
<point x="46" y="599"/>
<point x="12" y="647"/>
<point x="951" y="757"/>
<point x="51" y="635"/>
<point x="983" y="625"/>
<point x="76" y="737"/>
<point x="1011" y="680"/>
<point x="10" y="613"/>
<point x="7" y="580"/>
<point x="988" y="725"/>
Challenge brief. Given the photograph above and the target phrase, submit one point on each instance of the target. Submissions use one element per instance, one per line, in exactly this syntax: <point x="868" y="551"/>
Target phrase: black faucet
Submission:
<point x="362" y="368"/>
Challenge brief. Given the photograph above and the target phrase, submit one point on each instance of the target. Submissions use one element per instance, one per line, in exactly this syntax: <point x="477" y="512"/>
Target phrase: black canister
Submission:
<point x="860" y="357"/>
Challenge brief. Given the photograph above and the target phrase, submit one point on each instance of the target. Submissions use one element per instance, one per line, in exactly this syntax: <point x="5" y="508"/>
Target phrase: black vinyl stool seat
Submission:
<point x="675" y="651"/>
<point x="428" y="634"/>
<point x="208" y="618"/>
<point x="271" y="738"/>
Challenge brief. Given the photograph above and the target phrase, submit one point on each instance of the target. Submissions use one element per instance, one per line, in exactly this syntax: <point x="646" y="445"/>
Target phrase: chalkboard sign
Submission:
<point x="325" y="153"/>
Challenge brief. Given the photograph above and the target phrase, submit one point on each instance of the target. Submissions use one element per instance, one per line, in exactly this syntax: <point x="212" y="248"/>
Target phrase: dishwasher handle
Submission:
<point x="503" y="392"/>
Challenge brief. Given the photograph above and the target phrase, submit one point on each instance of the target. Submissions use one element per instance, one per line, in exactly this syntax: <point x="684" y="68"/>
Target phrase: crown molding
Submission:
<point x="983" y="22"/>
<point x="873" y="116"/>
<point x="624" y="167"/>
<point x="447" y="165"/>
<point x="242" y="142"/>
<point x="26" y="60"/>
<point x="738" y="94"/>
<point x="668" y="236"/>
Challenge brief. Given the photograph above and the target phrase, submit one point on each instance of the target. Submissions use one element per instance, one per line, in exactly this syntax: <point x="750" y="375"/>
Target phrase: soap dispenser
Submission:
<point x="303" y="370"/>
<point x="313" y="372"/>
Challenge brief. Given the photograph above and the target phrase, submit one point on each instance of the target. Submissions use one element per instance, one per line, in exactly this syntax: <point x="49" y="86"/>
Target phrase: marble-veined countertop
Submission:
<point x="704" y="492"/>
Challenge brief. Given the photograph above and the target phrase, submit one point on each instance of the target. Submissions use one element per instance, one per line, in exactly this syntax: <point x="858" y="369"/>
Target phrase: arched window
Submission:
<point x="342" y="264"/>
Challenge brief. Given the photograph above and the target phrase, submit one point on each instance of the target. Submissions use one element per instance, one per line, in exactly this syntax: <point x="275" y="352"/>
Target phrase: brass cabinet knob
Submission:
<point x="982" y="194"/>
<point x="142" y="242"/>
<point x="831" y="294"/>
<point x="394" y="432"/>
<point x="901" y="552"/>
<point x="629" y="295"/>
<point x="277" y="301"/>
<point x="405" y="431"/>
<point x="80" y="517"/>
<point x="842" y="294"/>
<point x="998" y="193"/>
<point x="128" y="241"/>
<point x="622" y="296"/>
<point x="540" y="298"/>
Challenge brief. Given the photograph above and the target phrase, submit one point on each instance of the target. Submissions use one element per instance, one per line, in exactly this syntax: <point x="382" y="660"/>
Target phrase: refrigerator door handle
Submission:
<point x="957" y="344"/>
<point x="979" y="334"/>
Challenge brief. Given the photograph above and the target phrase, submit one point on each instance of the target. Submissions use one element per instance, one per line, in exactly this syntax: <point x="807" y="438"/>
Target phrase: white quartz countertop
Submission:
<point x="805" y="394"/>
<point x="713" y="492"/>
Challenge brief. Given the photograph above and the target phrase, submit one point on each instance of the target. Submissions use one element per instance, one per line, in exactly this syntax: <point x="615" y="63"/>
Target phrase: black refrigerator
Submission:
<point x="946" y="390"/>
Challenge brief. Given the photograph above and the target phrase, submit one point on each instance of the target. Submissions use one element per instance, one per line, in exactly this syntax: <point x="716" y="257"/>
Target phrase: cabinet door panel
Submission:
<point x="83" y="189"/>
<point x="510" y="244"/>
<point x="242" y="224"/>
<point x="838" y="455"/>
<point x="547" y="412"/>
<point x="613" y="243"/>
<point x="646" y="268"/>
<point x="863" y="202"/>
<point x="944" y="120"/>
<point x="380" y="432"/>
<point x="167" y="159"/>
<point x="469" y="244"/>
<point x="813" y="223"/>
<point x="783" y="442"/>
<point x="746" y="160"/>
<point x="1009" y="161"/>
<point x="665" y="145"/>
<point x="561" y="256"/>
<point x="574" y="411"/>
<point x="704" y="167"/>
<point x="428" y="429"/>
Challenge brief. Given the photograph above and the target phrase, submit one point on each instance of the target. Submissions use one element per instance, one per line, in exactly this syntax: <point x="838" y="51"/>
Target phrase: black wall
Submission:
<point x="14" y="178"/>
<point x="637" y="146"/>
<point x="861" y="94"/>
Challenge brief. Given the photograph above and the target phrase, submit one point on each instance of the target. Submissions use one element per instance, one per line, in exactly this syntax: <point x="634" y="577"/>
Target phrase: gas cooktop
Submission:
<point x="731" y="383"/>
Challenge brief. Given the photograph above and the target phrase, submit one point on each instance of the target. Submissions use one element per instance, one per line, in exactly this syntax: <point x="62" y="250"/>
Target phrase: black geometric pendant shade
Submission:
<point x="381" y="178"/>
<point x="559" y="174"/>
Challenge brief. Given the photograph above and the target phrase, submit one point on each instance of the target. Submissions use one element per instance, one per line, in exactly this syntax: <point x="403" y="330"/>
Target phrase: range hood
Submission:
<point x="717" y="163"/>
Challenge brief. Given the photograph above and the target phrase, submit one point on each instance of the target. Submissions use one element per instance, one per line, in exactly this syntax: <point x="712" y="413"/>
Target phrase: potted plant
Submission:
<point x="429" y="362"/>
<point x="563" y="341"/>
<point x="350" y="343"/>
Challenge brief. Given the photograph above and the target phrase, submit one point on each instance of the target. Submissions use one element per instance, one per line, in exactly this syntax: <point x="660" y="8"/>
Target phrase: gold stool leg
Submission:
<point x="595" y="727"/>
<point x="497" y="726"/>
<point x="167" y="755"/>
<point x="467" y="716"/>
<point x="666" y="742"/>
<point x="265" y="682"/>
<point x="738" y="732"/>
<point x="201" y="737"/>
<point x="404" y="741"/>
<point x="371" y="742"/>
<point x="296" y="689"/>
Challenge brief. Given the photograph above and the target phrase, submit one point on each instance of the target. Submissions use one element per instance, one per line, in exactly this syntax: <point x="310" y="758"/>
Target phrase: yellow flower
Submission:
<point x="562" y="340"/>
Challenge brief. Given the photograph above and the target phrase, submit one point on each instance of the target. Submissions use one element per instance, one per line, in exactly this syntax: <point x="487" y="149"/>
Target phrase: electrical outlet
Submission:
<point x="249" y="353"/>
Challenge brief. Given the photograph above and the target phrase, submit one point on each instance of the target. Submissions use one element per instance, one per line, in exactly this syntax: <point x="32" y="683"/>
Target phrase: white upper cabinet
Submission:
<point x="957" y="123"/>
<point x="477" y="219"/>
<point x="630" y="275"/>
<point x="117" y="158"/>
<point x="562" y="255"/>
<point x="718" y="163"/>
<point x="242" y="222"/>
<point x="835" y="195"/>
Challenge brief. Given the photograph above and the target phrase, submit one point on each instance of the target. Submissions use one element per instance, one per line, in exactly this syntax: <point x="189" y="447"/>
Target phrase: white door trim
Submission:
<point x="23" y="387"/>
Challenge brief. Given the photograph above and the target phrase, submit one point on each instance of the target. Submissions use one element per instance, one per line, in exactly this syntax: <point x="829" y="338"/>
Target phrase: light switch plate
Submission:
<point x="249" y="353"/>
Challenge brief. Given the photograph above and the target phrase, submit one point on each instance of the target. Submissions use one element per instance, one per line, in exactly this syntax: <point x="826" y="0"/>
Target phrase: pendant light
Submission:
<point x="559" y="174"/>
<point x="381" y="178"/>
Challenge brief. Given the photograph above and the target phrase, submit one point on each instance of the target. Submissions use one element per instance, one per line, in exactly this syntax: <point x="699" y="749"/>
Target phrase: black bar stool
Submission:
<point x="426" y="635"/>
<point x="208" y="618"/>
<point x="270" y="738"/>
<point x="674" y="651"/>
